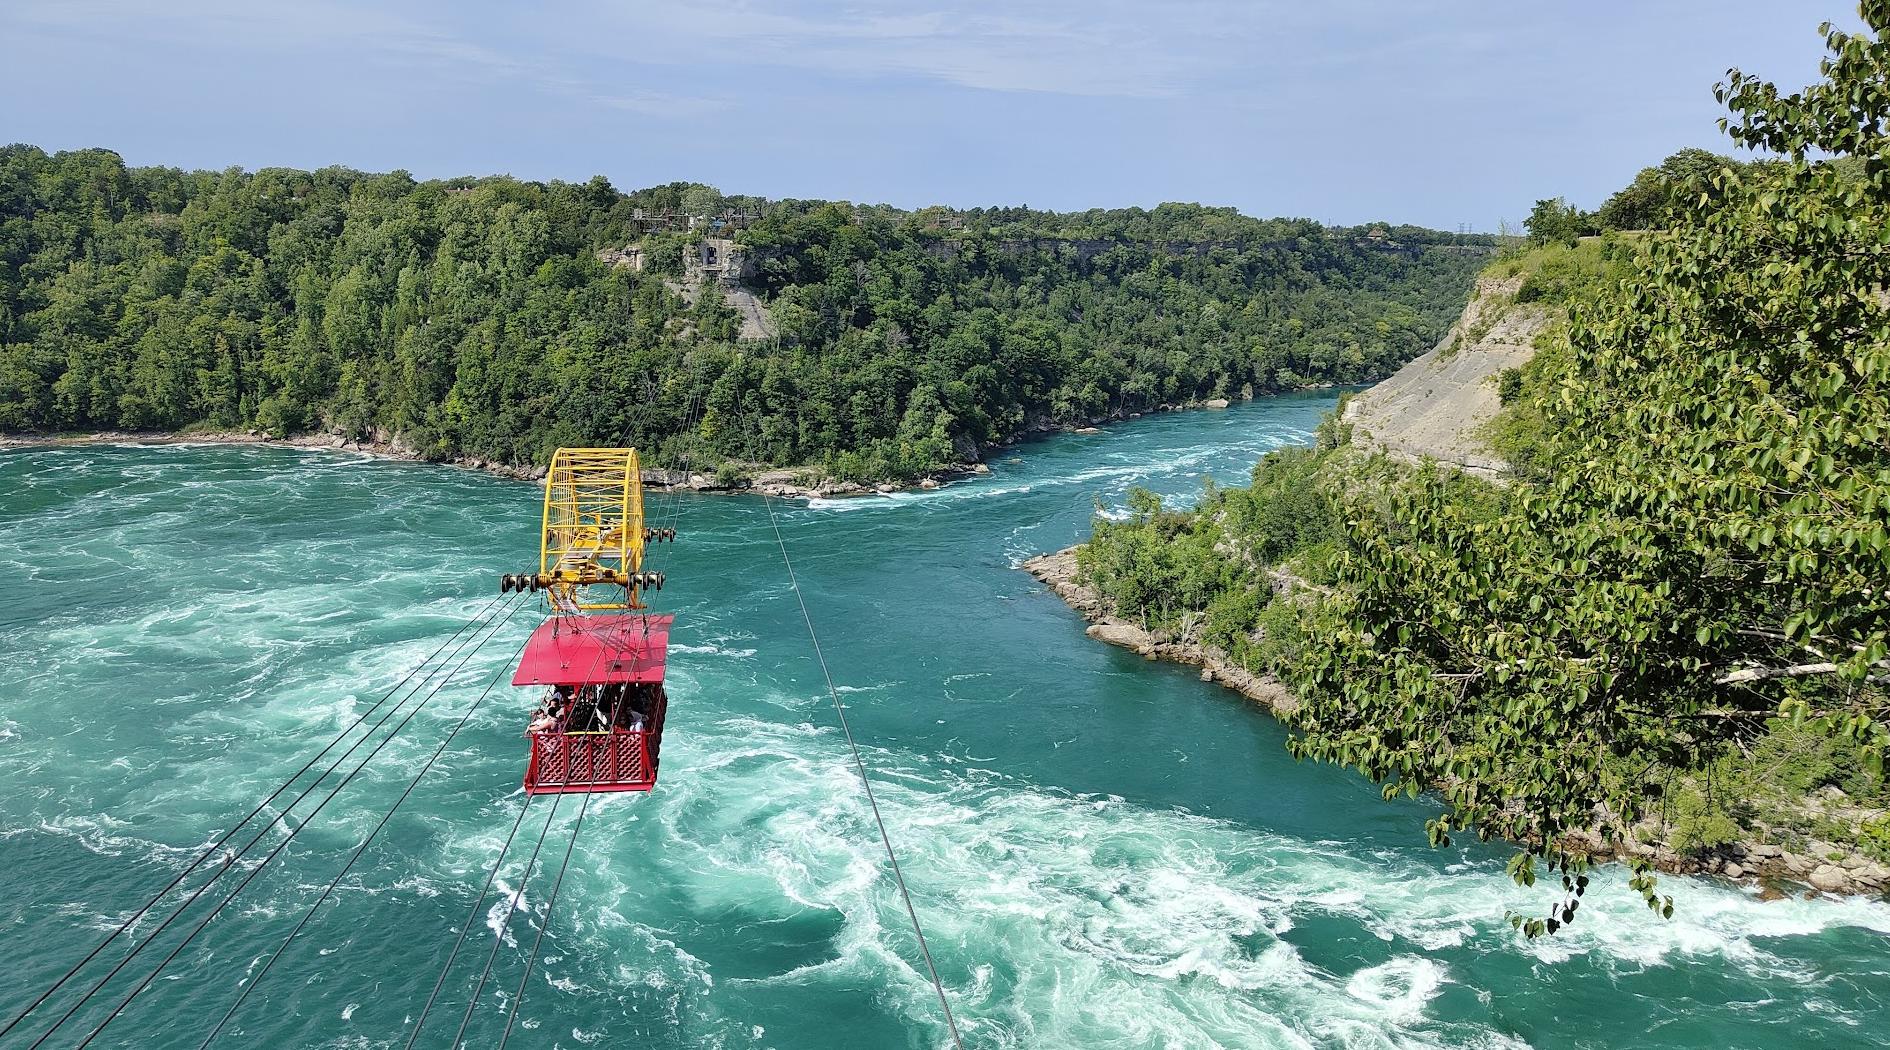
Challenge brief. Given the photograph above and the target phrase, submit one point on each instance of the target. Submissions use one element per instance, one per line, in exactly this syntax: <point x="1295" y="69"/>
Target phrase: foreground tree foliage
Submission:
<point x="474" y="318"/>
<point x="1675" y="608"/>
<point x="1711" y="546"/>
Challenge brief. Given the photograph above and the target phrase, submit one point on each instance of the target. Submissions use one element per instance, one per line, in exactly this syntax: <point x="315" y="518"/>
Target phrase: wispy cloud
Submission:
<point x="1061" y="48"/>
<point x="1351" y="109"/>
<point x="254" y="26"/>
<point x="627" y="56"/>
<point x="1094" y="48"/>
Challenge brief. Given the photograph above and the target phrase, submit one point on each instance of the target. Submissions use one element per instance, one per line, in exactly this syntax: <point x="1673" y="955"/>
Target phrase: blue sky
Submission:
<point x="1441" y="112"/>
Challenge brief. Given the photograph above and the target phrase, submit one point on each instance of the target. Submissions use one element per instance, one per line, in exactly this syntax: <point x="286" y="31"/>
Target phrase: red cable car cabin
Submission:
<point x="609" y="672"/>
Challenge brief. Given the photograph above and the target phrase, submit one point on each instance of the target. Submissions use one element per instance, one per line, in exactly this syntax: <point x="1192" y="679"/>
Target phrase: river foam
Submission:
<point x="1084" y="921"/>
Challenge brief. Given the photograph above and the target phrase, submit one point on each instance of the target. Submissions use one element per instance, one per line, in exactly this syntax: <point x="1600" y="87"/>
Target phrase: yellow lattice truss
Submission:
<point x="593" y="527"/>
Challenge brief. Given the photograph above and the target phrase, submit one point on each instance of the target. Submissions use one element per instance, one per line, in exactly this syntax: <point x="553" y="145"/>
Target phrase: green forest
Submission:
<point x="474" y="318"/>
<point x="1670" y="617"/>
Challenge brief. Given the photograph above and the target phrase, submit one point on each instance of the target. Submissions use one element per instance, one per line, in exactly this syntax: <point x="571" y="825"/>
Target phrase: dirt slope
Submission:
<point x="1437" y="405"/>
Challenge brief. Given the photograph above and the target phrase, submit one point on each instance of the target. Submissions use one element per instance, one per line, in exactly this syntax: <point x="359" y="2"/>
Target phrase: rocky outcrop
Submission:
<point x="631" y="257"/>
<point x="1059" y="572"/>
<point x="757" y="322"/>
<point x="726" y="265"/>
<point x="1824" y="867"/>
<point x="1437" y="406"/>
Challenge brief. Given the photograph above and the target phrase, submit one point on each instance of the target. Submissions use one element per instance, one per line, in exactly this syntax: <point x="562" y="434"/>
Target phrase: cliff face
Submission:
<point x="1434" y="406"/>
<point x="1438" y="404"/>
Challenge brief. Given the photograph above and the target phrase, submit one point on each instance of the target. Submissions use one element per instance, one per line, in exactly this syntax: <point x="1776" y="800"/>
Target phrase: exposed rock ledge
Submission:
<point x="1823" y="867"/>
<point x="1058" y="572"/>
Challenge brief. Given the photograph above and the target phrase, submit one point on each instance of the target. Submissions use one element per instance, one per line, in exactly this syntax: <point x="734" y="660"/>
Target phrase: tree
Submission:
<point x="1556" y="221"/>
<point x="473" y="317"/>
<point x="701" y="200"/>
<point x="1709" y="551"/>
<point x="1650" y="200"/>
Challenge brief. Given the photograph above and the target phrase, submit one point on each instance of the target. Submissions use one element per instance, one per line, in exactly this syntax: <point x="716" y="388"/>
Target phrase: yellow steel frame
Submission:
<point x="593" y="526"/>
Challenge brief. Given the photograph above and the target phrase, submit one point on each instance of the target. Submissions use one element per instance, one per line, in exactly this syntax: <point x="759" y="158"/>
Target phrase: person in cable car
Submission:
<point x="584" y="712"/>
<point x="636" y="708"/>
<point x="551" y="714"/>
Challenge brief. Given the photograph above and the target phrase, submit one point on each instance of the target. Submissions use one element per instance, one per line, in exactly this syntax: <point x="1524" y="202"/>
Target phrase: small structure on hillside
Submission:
<point x="717" y="259"/>
<point x="651" y="220"/>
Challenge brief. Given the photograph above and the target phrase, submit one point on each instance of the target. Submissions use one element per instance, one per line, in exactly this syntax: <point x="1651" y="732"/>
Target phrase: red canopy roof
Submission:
<point x="585" y="650"/>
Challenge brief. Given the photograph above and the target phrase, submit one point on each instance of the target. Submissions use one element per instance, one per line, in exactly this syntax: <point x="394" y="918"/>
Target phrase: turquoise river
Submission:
<point x="1105" y="852"/>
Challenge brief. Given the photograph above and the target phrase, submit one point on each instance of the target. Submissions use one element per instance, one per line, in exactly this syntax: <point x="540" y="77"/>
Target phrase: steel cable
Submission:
<point x="365" y="842"/>
<point x="498" y="936"/>
<point x="246" y="847"/>
<point x="551" y="904"/>
<point x="234" y="828"/>
<point x="466" y="927"/>
<point x="859" y="765"/>
<point x="264" y="863"/>
<point x="670" y="501"/>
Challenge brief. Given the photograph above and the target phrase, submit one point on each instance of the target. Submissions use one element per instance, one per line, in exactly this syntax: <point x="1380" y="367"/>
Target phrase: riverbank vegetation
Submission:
<point x="1671" y="619"/>
<point x="474" y="317"/>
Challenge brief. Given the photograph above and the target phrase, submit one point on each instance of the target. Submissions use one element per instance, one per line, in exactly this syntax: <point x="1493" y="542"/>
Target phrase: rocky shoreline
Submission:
<point x="785" y="482"/>
<point x="1058" y="572"/>
<point x="1821" y="867"/>
<point x="805" y="482"/>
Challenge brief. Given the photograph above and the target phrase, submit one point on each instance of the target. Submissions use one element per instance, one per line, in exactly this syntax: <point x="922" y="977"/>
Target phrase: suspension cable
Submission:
<point x="692" y="416"/>
<point x="498" y="936"/>
<point x="466" y="927"/>
<point x="365" y="842"/>
<point x="668" y="491"/>
<point x="524" y="877"/>
<point x="673" y="509"/>
<point x="859" y="765"/>
<point x="273" y="853"/>
<point x="234" y="828"/>
<point x="669" y="502"/>
<point x="280" y="818"/>
<point x="670" y="512"/>
<point x="551" y="904"/>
